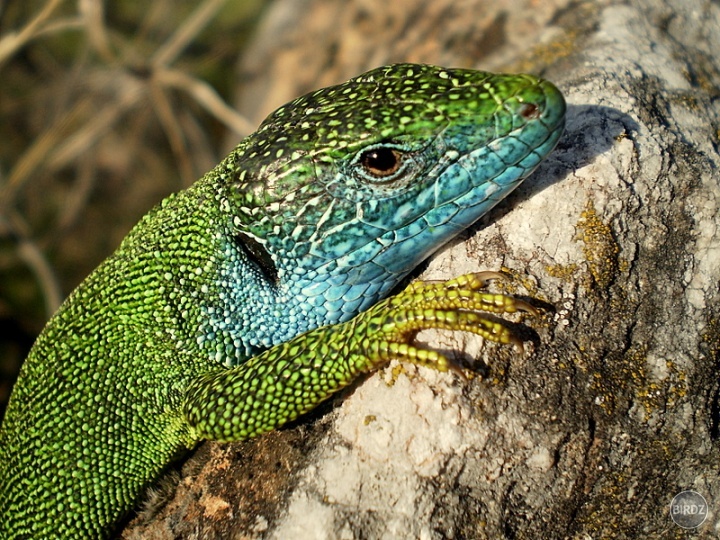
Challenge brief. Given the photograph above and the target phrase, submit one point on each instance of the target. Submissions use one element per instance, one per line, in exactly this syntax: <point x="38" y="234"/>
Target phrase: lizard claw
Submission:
<point x="525" y="307"/>
<point x="487" y="276"/>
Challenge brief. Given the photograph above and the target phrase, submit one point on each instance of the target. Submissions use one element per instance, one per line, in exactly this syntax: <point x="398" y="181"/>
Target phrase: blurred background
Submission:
<point x="105" y="108"/>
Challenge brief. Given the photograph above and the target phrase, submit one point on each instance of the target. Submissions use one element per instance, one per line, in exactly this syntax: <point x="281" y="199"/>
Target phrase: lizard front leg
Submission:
<point x="292" y="378"/>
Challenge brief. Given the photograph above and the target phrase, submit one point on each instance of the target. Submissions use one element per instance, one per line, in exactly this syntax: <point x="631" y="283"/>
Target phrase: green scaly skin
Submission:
<point x="249" y="298"/>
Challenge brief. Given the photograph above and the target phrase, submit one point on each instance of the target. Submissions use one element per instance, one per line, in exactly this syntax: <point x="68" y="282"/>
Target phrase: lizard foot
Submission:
<point x="456" y="305"/>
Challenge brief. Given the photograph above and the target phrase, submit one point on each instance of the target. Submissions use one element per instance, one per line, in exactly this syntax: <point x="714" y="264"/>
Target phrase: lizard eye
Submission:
<point x="381" y="162"/>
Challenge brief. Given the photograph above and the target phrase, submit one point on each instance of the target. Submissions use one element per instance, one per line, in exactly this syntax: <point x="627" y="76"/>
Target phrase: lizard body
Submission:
<point x="232" y="307"/>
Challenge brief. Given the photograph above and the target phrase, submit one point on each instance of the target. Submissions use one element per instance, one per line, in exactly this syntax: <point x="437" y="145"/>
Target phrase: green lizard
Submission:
<point x="247" y="299"/>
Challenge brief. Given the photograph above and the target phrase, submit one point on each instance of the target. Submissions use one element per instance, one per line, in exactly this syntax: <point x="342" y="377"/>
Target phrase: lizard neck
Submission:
<point x="252" y="311"/>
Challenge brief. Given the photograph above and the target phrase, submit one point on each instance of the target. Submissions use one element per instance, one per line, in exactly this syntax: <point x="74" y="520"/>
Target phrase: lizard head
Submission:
<point x="342" y="192"/>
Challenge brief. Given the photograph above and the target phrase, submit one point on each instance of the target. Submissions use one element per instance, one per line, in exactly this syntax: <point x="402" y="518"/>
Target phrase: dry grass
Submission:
<point x="106" y="107"/>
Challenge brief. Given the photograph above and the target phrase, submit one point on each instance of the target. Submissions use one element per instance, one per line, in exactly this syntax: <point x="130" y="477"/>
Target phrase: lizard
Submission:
<point x="255" y="294"/>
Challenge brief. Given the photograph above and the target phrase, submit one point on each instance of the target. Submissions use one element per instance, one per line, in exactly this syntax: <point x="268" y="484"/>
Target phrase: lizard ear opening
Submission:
<point x="257" y="253"/>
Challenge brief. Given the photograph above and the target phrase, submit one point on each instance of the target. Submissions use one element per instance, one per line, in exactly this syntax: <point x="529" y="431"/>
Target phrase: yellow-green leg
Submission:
<point x="292" y="378"/>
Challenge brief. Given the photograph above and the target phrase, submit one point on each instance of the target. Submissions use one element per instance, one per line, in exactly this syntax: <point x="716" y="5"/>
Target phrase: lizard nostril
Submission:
<point x="529" y="111"/>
